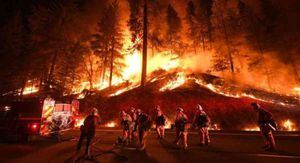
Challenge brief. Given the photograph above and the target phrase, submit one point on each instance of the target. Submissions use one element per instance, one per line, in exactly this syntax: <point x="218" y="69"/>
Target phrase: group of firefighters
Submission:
<point x="136" y="124"/>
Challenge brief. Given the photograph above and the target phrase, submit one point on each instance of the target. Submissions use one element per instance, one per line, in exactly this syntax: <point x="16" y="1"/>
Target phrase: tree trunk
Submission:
<point x="52" y="67"/>
<point x="111" y="65"/>
<point x="195" y="47"/>
<point x="91" y="73"/>
<point x="104" y="69"/>
<point x="145" y="37"/>
<point x="228" y="44"/>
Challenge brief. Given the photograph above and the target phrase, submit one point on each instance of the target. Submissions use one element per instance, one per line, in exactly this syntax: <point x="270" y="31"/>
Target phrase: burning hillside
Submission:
<point x="229" y="106"/>
<point x="223" y="54"/>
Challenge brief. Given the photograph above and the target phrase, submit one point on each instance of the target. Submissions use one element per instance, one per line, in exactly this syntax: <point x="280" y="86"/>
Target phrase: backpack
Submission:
<point x="161" y="120"/>
<point x="202" y="120"/>
<point x="144" y="121"/>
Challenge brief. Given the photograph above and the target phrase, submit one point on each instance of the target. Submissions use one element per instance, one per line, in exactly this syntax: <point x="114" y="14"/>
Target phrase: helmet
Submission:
<point x="122" y="113"/>
<point x="179" y="109"/>
<point x="94" y="111"/>
<point x="138" y="111"/>
<point x="255" y="105"/>
<point x="158" y="108"/>
<point x="132" y="109"/>
<point x="199" y="107"/>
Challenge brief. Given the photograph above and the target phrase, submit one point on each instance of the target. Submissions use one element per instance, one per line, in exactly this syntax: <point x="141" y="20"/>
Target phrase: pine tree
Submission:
<point x="108" y="43"/>
<point x="174" y="28"/>
<point x="192" y="24"/>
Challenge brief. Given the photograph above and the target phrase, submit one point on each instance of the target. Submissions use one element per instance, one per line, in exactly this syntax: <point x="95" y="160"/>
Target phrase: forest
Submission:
<point x="64" y="47"/>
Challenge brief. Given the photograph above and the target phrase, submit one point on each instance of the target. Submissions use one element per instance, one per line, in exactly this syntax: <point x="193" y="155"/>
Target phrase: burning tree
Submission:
<point x="107" y="42"/>
<point x="174" y="28"/>
<point x="199" y="17"/>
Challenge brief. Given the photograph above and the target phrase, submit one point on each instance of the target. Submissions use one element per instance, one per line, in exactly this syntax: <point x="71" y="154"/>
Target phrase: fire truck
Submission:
<point x="27" y="119"/>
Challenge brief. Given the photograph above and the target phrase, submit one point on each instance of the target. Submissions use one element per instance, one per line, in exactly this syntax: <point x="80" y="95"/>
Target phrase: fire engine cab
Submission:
<point x="23" y="120"/>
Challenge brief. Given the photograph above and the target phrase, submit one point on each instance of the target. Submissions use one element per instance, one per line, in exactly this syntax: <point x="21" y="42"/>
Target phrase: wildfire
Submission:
<point x="296" y="90"/>
<point x="252" y="128"/>
<point x="78" y="122"/>
<point x="214" y="127"/>
<point x="288" y="125"/>
<point x="111" y="124"/>
<point x="30" y="90"/>
<point x="123" y="90"/>
<point x="178" y="81"/>
<point x="168" y="124"/>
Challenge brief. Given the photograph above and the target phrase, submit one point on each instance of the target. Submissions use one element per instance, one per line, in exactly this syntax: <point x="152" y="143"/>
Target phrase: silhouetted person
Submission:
<point x="125" y="123"/>
<point x="160" y="122"/>
<point x="266" y="125"/>
<point x="88" y="131"/>
<point x="133" y="115"/>
<point x="143" y="124"/>
<point x="201" y="120"/>
<point x="181" y="128"/>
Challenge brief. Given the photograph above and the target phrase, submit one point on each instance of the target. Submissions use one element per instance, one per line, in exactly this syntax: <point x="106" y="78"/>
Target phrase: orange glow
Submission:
<point x="296" y="90"/>
<point x="30" y="90"/>
<point x="178" y="81"/>
<point x="168" y="124"/>
<point x="252" y="128"/>
<point x="215" y="127"/>
<point x="30" y="87"/>
<point x="111" y="124"/>
<point x="288" y="125"/>
<point x="79" y="122"/>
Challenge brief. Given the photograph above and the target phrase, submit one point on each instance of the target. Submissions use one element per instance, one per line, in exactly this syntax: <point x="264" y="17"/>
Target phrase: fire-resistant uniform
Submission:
<point x="88" y="131"/>
<point x="160" y="122"/>
<point x="201" y="120"/>
<point x="125" y="123"/>
<point x="266" y="125"/>
<point x="143" y="124"/>
<point x="181" y="127"/>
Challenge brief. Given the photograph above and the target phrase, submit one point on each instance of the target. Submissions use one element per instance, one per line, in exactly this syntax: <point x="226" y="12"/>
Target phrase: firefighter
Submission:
<point x="143" y="124"/>
<point x="88" y="131"/>
<point x="160" y="122"/>
<point x="266" y="125"/>
<point x="133" y="115"/>
<point x="201" y="120"/>
<point x="125" y="123"/>
<point x="181" y="121"/>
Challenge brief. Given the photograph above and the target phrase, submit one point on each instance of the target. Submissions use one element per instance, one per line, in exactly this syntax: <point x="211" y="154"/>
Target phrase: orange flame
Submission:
<point x="251" y="128"/>
<point x="288" y="125"/>
<point x="79" y="122"/>
<point x="111" y="124"/>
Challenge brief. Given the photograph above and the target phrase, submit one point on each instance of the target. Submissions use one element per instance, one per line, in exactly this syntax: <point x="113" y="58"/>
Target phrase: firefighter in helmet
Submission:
<point x="160" y="122"/>
<point x="143" y="124"/>
<point x="181" y="121"/>
<point x="125" y="123"/>
<point x="201" y="121"/>
<point x="267" y="125"/>
<point x="88" y="130"/>
<point x="133" y="115"/>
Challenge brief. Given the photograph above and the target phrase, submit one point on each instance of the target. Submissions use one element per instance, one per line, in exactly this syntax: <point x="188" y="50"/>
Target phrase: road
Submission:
<point x="234" y="147"/>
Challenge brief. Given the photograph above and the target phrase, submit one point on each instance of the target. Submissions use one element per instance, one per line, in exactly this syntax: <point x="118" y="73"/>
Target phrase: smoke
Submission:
<point x="275" y="73"/>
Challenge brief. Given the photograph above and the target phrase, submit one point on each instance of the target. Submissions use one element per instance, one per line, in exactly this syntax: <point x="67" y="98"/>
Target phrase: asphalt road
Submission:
<point x="226" y="147"/>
